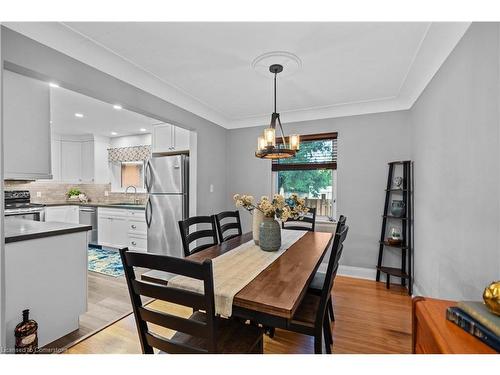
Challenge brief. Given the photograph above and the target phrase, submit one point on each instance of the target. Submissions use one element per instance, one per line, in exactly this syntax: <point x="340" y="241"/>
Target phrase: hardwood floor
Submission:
<point x="369" y="319"/>
<point x="107" y="301"/>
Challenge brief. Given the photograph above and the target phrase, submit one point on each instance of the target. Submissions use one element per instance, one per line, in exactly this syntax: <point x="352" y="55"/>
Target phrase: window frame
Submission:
<point x="276" y="168"/>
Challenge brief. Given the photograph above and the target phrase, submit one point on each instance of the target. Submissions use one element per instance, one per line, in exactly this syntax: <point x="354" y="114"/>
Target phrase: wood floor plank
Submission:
<point x="369" y="319"/>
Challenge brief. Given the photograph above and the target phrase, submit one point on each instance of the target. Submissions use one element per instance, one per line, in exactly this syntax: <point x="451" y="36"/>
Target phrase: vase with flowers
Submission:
<point x="266" y="229"/>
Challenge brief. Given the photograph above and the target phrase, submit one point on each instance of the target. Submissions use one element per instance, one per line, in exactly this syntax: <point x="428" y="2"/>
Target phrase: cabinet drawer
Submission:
<point x="137" y="226"/>
<point x="136" y="214"/>
<point x="116" y="212"/>
<point x="137" y="243"/>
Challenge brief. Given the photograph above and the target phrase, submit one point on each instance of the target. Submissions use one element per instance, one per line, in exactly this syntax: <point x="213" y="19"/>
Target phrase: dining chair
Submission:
<point x="209" y="236"/>
<point x="228" y="226"/>
<point x="319" y="278"/>
<point x="310" y="317"/>
<point x="308" y="222"/>
<point x="202" y="332"/>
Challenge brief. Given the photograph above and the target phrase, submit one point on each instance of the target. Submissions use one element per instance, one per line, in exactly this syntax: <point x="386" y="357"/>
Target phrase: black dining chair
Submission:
<point x="307" y="222"/>
<point x="202" y="332"/>
<point x="319" y="278"/>
<point x="310" y="317"/>
<point x="208" y="236"/>
<point x="228" y="221"/>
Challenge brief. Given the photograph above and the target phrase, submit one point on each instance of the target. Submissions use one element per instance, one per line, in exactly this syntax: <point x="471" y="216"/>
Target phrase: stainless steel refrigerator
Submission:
<point x="167" y="183"/>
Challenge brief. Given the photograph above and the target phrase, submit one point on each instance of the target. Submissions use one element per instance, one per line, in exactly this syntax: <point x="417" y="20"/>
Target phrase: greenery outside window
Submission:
<point x="312" y="173"/>
<point x="132" y="174"/>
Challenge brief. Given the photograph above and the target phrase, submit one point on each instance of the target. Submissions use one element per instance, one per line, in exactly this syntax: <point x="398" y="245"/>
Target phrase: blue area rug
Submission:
<point x="105" y="261"/>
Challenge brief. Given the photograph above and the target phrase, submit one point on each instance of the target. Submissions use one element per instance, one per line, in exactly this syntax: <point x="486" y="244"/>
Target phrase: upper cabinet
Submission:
<point x="80" y="159"/>
<point x="170" y="139"/>
<point x="26" y="111"/>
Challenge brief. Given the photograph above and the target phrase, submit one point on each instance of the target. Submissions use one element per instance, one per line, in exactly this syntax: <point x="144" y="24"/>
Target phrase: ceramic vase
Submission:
<point x="258" y="216"/>
<point x="398" y="208"/>
<point x="270" y="234"/>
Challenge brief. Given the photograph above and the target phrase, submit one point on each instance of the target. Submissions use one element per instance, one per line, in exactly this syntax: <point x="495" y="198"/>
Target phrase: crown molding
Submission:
<point x="434" y="48"/>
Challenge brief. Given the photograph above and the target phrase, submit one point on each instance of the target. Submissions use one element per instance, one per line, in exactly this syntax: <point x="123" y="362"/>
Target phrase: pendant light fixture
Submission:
<point x="266" y="143"/>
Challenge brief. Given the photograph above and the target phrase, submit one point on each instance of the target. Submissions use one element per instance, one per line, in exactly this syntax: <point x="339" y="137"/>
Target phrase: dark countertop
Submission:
<point x="22" y="229"/>
<point x="130" y="206"/>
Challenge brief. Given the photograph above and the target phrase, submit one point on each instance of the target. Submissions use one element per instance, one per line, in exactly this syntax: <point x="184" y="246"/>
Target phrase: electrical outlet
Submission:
<point x="38" y="194"/>
<point x="106" y="193"/>
<point x="211" y="188"/>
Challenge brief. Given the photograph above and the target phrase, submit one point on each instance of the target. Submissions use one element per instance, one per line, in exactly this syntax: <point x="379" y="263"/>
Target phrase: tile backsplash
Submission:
<point x="53" y="192"/>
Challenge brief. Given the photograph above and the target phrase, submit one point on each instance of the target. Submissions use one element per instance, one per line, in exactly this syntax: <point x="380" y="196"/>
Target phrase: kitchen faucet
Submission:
<point x="136" y="200"/>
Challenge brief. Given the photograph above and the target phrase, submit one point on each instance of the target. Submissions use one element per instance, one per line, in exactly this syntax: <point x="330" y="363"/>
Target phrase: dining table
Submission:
<point x="273" y="296"/>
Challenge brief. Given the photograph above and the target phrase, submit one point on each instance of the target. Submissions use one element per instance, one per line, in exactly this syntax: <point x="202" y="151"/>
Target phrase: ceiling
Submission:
<point x="347" y="68"/>
<point x="99" y="118"/>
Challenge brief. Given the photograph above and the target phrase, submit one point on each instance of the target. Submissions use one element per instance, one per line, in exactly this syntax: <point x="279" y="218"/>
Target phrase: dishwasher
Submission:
<point x="88" y="216"/>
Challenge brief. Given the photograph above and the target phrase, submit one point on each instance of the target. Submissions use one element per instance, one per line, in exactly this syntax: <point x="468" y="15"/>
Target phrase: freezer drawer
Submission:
<point x="162" y="215"/>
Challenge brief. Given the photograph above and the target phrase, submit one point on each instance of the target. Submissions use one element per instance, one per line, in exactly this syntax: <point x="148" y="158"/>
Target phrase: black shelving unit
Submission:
<point x="405" y="273"/>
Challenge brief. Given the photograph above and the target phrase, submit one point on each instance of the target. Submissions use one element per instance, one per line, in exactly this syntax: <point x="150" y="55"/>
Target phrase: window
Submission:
<point x="312" y="173"/>
<point x="132" y="174"/>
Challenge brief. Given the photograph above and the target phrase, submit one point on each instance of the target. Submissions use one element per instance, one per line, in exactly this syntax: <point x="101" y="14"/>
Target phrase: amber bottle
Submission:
<point x="26" y="334"/>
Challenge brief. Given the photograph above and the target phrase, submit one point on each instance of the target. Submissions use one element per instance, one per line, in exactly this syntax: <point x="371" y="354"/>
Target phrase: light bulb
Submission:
<point x="295" y="142"/>
<point x="270" y="136"/>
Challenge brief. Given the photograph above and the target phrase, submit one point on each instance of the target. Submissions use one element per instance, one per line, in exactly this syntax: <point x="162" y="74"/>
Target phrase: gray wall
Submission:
<point x="365" y="144"/>
<point x="2" y="245"/>
<point x="455" y="142"/>
<point x="31" y="58"/>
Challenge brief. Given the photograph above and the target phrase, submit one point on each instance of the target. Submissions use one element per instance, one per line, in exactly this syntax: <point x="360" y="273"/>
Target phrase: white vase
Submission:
<point x="258" y="217"/>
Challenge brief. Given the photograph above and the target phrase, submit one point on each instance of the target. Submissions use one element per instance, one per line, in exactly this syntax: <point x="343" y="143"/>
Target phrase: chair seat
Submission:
<point x="232" y="337"/>
<point x="305" y="315"/>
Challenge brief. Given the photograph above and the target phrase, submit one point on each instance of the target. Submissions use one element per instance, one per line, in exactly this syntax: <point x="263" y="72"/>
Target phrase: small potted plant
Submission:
<point x="266" y="230"/>
<point x="75" y="195"/>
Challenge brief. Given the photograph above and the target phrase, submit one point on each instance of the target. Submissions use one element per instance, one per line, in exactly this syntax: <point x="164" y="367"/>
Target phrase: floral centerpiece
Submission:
<point x="266" y="231"/>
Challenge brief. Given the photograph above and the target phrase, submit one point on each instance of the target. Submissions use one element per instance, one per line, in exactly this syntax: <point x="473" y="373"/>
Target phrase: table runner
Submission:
<point x="235" y="269"/>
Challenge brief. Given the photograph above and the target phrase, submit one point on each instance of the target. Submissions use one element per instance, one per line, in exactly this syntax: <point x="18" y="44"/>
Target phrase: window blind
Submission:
<point x="317" y="151"/>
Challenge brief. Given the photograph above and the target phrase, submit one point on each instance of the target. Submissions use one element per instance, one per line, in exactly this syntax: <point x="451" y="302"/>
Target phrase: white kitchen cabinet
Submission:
<point x="168" y="138"/>
<point x="122" y="228"/>
<point x="63" y="214"/>
<point x="56" y="159"/>
<point x="26" y="125"/>
<point x="71" y="161"/>
<point x="87" y="161"/>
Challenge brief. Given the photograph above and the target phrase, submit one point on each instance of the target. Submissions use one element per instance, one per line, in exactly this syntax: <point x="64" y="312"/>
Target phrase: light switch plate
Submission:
<point x="38" y="194"/>
<point x="211" y="188"/>
<point x="106" y="193"/>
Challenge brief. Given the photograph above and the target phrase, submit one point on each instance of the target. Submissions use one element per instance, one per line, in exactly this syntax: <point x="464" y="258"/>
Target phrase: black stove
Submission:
<point x="18" y="202"/>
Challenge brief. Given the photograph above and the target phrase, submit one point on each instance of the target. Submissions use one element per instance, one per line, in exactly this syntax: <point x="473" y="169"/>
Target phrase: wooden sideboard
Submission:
<point x="433" y="334"/>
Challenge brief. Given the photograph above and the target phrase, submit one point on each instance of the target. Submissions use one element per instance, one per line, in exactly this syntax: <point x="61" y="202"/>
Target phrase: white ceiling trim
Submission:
<point x="436" y="45"/>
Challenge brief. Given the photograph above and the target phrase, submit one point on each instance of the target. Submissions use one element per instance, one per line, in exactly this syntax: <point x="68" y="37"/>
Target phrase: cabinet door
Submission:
<point x="162" y="138"/>
<point x="87" y="161"/>
<point x="181" y="139"/>
<point x="26" y="124"/>
<point x="105" y="230"/>
<point x="56" y="159"/>
<point x="71" y="161"/>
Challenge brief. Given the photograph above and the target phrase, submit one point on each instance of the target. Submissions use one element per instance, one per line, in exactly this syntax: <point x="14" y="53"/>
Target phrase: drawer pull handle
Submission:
<point x="133" y="226"/>
<point x="134" y="243"/>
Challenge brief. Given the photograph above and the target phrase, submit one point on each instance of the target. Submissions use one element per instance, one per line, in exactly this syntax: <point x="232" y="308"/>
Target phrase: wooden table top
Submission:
<point x="278" y="289"/>
<point x="449" y="338"/>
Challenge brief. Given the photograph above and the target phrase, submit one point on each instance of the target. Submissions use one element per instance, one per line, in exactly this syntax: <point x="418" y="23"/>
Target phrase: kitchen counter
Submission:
<point x="22" y="230"/>
<point x="130" y="206"/>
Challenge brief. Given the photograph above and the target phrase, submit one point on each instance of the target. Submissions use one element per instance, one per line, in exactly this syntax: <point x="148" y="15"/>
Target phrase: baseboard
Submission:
<point x="358" y="272"/>
<point x="417" y="291"/>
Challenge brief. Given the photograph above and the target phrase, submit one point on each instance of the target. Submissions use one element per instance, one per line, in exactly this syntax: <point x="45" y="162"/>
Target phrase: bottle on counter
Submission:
<point x="26" y="334"/>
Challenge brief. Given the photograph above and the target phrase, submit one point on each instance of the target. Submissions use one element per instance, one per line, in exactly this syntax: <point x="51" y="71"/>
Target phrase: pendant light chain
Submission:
<point x="275" y="75"/>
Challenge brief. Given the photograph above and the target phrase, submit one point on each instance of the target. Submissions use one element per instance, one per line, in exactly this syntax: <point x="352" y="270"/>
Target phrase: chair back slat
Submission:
<point x="222" y="228"/>
<point x="173" y="322"/>
<point x="202" y="332"/>
<point x="179" y="266"/>
<point x="296" y="224"/>
<point x="165" y="293"/>
<point x="188" y="236"/>
<point x="172" y="347"/>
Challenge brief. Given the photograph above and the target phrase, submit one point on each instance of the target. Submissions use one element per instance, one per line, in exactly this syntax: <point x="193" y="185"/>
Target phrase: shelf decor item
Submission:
<point x="394" y="237"/>
<point x="398" y="182"/>
<point x="26" y="334"/>
<point x="266" y="211"/>
<point x="491" y="297"/>
<point x="398" y="208"/>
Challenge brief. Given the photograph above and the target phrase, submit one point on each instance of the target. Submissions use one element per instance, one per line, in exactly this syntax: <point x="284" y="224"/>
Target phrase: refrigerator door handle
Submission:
<point x="149" y="212"/>
<point x="148" y="176"/>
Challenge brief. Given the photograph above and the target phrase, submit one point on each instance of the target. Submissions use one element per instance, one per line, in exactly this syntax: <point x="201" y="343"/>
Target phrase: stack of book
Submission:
<point x="476" y="319"/>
